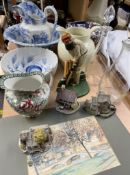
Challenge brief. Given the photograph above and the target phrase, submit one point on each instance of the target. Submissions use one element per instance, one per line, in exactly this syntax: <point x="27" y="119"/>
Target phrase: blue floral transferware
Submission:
<point x="33" y="68"/>
<point x="84" y="24"/>
<point x="29" y="59"/>
<point x="34" y="29"/>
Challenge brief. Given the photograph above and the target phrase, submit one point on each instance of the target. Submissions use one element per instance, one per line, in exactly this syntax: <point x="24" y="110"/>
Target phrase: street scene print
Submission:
<point x="79" y="147"/>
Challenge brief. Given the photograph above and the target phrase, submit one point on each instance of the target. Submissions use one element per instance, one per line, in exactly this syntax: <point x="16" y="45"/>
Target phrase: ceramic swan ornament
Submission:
<point x="34" y="30"/>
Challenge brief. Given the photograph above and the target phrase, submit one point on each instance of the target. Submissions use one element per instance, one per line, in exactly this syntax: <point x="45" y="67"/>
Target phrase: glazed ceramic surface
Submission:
<point x="34" y="29"/>
<point x="26" y="101"/>
<point x="84" y="24"/>
<point x="22" y="37"/>
<point x="29" y="60"/>
<point x="78" y="33"/>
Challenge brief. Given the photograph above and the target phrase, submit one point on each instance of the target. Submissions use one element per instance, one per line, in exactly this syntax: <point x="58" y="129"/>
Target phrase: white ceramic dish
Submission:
<point x="22" y="60"/>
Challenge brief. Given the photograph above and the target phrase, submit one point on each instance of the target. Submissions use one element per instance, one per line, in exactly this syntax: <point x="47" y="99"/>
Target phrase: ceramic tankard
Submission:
<point x="78" y="33"/>
<point x="27" y="93"/>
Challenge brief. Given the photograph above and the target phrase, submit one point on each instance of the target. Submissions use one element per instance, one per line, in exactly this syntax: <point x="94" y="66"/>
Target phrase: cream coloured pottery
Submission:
<point x="78" y="33"/>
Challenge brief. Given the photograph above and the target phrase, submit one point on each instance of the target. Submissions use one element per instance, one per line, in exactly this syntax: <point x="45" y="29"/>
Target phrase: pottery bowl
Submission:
<point x="23" y="37"/>
<point x="29" y="59"/>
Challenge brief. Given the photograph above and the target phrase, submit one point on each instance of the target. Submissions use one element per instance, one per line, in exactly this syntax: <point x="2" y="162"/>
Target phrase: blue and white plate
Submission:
<point x="85" y="24"/>
<point x="29" y="59"/>
<point x="23" y="37"/>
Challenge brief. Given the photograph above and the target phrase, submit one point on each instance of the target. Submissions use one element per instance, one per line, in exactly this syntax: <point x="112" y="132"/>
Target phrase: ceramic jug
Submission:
<point x="27" y="93"/>
<point x="34" y="21"/>
<point x="78" y="33"/>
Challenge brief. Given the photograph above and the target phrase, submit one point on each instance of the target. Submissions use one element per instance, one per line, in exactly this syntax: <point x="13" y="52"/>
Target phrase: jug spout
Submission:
<point x="29" y="12"/>
<point x="61" y="30"/>
<point x="95" y="30"/>
<point x="20" y="11"/>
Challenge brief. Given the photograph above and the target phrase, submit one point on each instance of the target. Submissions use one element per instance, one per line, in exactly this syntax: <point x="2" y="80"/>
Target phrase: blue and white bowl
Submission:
<point x="29" y="59"/>
<point x="23" y="37"/>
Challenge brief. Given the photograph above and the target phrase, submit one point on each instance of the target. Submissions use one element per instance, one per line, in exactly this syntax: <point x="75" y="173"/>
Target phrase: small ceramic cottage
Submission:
<point x="100" y="105"/>
<point x="67" y="100"/>
<point x="36" y="139"/>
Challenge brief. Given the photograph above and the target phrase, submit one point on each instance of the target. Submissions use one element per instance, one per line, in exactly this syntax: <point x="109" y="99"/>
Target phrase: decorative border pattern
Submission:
<point x="4" y="77"/>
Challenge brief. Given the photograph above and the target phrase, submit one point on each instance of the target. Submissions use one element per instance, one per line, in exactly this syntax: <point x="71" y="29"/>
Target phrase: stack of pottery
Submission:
<point x="34" y="30"/>
<point x="30" y="70"/>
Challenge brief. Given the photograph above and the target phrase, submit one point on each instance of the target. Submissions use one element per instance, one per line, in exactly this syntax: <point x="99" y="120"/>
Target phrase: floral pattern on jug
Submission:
<point x="22" y="96"/>
<point x="31" y="103"/>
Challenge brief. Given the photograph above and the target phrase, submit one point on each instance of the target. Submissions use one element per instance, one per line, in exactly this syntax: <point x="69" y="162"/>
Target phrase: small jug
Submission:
<point x="78" y="33"/>
<point x="27" y="93"/>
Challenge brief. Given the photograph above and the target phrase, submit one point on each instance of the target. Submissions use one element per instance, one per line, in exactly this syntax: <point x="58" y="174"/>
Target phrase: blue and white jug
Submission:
<point x="34" y="22"/>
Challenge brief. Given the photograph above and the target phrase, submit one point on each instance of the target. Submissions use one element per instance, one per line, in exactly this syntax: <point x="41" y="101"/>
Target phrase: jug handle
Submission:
<point x="50" y="79"/>
<point x="56" y="18"/>
<point x="2" y="78"/>
<point x="93" y="29"/>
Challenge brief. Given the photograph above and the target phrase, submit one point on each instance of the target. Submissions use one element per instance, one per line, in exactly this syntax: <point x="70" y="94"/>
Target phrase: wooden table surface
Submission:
<point x="95" y="70"/>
